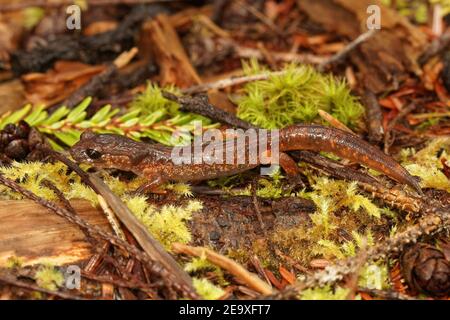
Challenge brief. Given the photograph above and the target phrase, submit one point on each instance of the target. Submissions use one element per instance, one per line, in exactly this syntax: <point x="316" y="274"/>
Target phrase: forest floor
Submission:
<point x="343" y="227"/>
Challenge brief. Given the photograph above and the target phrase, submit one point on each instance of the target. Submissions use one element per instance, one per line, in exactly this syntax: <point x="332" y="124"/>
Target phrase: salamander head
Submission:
<point x="108" y="151"/>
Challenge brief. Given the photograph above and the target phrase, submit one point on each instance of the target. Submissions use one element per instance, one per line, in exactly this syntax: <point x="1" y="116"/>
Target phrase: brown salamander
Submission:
<point x="154" y="161"/>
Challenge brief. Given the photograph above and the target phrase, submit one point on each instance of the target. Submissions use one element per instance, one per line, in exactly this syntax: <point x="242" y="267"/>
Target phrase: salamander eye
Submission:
<point x="93" y="154"/>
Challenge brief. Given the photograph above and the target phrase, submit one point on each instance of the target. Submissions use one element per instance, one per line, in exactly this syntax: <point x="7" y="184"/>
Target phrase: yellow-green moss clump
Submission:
<point x="296" y="96"/>
<point x="207" y="290"/>
<point x="50" y="278"/>
<point x="427" y="163"/>
<point x="168" y="223"/>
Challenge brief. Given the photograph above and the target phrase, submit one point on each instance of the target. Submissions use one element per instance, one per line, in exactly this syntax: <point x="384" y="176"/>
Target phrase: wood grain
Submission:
<point x="36" y="235"/>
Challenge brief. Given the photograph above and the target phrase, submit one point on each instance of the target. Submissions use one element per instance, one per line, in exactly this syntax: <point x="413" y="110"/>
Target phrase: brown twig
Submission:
<point x="97" y="83"/>
<point x="341" y="55"/>
<point x="333" y="121"/>
<point x="229" y="82"/>
<point x="374" y="117"/>
<point x="200" y="105"/>
<point x="254" y="189"/>
<point x="435" y="47"/>
<point x="150" y="245"/>
<point x="250" y="279"/>
<point x="387" y="134"/>
<point x="307" y="58"/>
<point x="262" y="17"/>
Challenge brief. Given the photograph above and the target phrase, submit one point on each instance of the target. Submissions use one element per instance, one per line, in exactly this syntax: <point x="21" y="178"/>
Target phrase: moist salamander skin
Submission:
<point x="154" y="161"/>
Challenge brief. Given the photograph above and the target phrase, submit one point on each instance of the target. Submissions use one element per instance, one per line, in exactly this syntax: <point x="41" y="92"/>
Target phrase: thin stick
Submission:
<point x="250" y="279"/>
<point x="341" y="55"/>
<point x="435" y="47"/>
<point x="115" y="224"/>
<point x="260" y="16"/>
<point x="224" y="83"/>
<point x="333" y="121"/>
<point x="229" y="82"/>
<point x="391" y="125"/>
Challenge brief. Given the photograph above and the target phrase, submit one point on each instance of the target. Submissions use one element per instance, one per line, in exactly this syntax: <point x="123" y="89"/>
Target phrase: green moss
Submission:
<point x="207" y="290"/>
<point x="374" y="276"/>
<point x="152" y="100"/>
<point x="325" y="293"/>
<point x="427" y="163"/>
<point x="418" y="9"/>
<point x="168" y="223"/>
<point x="14" y="262"/>
<point x="296" y="96"/>
<point x="48" y="277"/>
<point x="198" y="265"/>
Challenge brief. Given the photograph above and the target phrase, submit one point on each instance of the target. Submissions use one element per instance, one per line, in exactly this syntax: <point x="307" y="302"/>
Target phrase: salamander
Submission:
<point x="155" y="161"/>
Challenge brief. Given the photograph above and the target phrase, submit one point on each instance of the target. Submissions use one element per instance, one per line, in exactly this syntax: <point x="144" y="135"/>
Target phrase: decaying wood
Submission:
<point x="169" y="53"/>
<point x="385" y="59"/>
<point x="37" y="235"/>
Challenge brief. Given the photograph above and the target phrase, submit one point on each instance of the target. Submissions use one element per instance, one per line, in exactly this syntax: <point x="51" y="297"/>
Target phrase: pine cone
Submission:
<point x="18" y="142"/>
<point x="426" y="269"/>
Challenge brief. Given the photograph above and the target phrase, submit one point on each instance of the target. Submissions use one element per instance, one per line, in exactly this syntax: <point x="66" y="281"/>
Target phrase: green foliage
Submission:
<point x="199" y="264"/>
<point x="332" y="250"/>
<point x="417" y="10"/>
<point x="32" y="16"/>
<point x="168" y="223"/>
<point x="296" y="95"/>
<point x="14" y="262"/>
<point x="344" y="194"/>
<point x="206" y="289"/>
<point x="50" y="278"/>
<point x="427" y="163"/>
<point x="150" y="116"/>
<point x="202" y="264"/>
<point x="152" y="100"/>
<point x="374" y="276"/>
<point x="324" y="293"/>
<point x="322" y="218"/>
